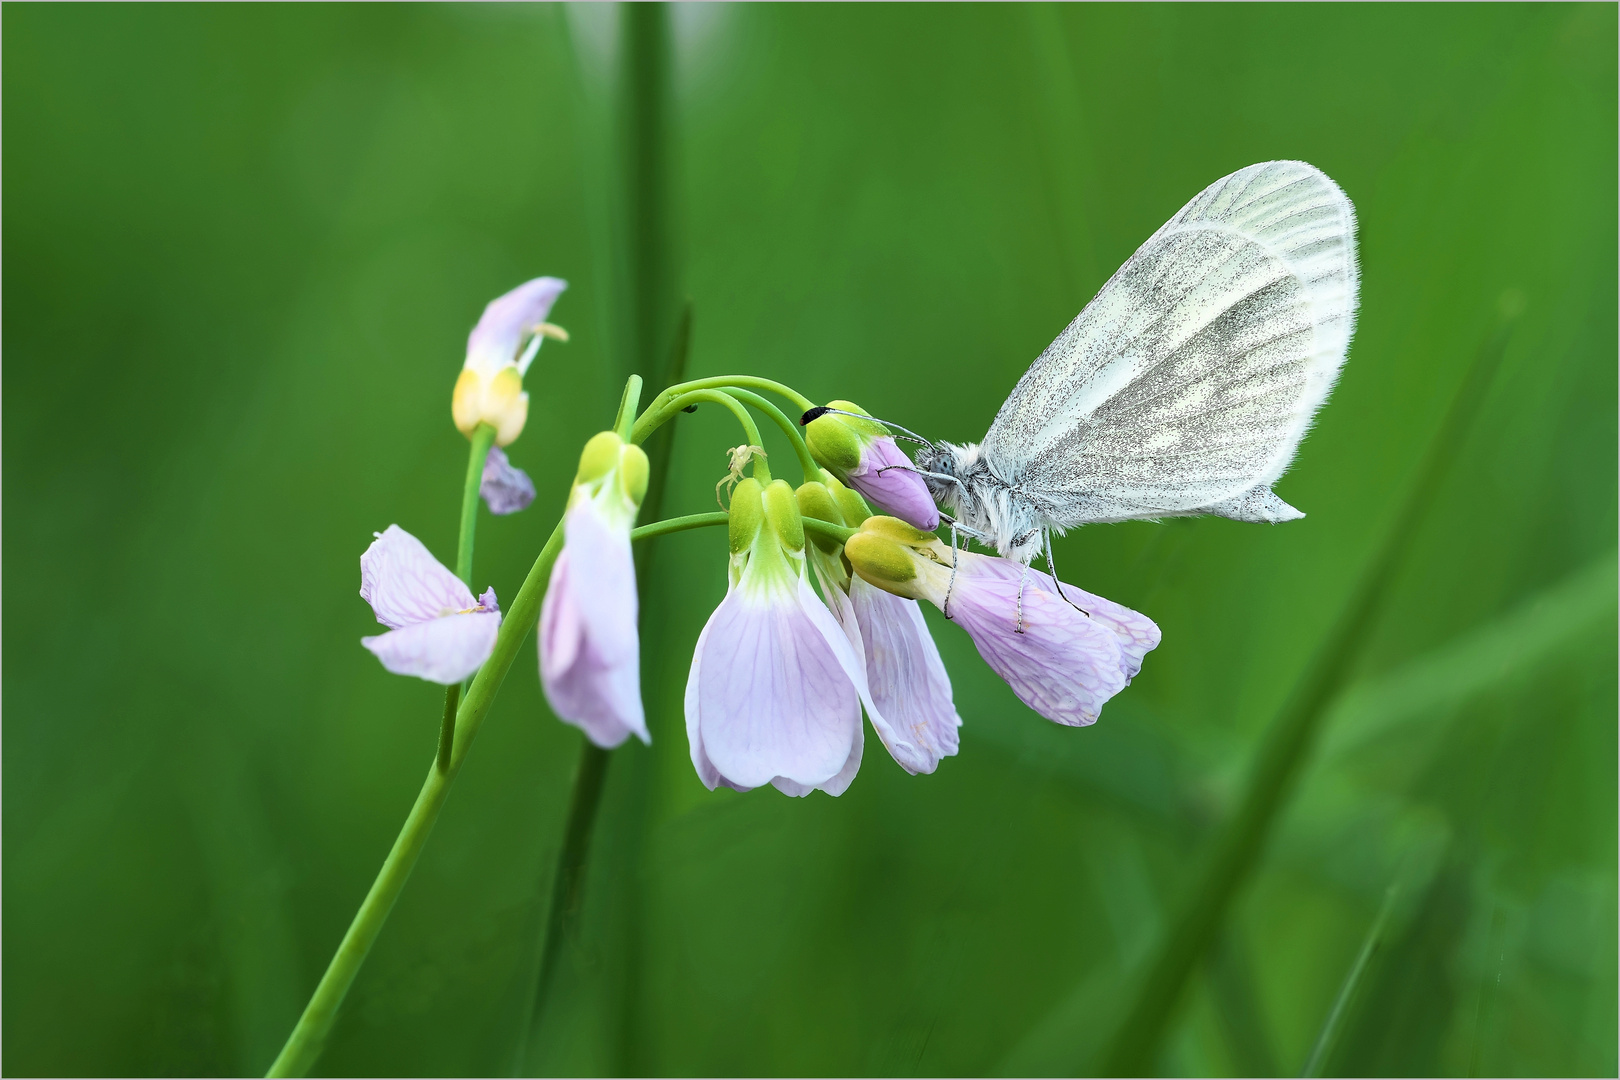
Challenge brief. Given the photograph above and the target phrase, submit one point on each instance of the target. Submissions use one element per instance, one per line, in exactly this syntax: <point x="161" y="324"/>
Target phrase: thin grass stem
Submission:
<point x="1148" y="1009"/>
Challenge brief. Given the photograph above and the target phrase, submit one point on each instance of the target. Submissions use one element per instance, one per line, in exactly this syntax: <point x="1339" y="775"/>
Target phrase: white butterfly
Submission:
<point x="1186" y="385"/>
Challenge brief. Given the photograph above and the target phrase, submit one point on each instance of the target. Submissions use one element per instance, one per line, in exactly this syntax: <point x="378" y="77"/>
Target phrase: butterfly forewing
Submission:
<point x="1188" y="382"/>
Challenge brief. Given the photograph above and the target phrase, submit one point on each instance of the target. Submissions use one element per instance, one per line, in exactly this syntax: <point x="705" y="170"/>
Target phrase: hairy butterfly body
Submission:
<point x="1187" y="383"/>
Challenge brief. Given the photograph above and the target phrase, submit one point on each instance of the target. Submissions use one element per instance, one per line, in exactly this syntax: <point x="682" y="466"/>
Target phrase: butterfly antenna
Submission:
<point x="908" y="434"/>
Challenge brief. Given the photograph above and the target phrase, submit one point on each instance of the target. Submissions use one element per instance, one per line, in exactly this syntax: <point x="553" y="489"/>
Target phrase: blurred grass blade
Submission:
<point x="1132" y="1049"/>
<point x="1328" y="1037"/>
<point x="643" y="120"/>
<point x="1513" y="644"/>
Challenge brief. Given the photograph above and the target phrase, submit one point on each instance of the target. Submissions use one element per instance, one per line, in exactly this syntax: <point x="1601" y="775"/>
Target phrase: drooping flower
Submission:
<point x="775" y="690"/>
<point x="915" y="716"/>
<point x="437" y="630"/>
<point x="590" y="654"/>
<point x="862" y="453"/>
<point x="499" y="351"/>
<point x="505" y="487"/>
<point x="1063" y="658"/>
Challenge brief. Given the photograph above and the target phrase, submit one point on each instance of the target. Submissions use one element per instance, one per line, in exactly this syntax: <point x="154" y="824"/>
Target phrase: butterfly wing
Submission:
<point x="1186" y="385"/>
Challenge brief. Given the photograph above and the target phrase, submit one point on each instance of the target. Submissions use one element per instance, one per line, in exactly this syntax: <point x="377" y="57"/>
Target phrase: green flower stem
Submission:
<point x="812" y="471"/>
<point x="839" y="533"/>
<point x="626" y="418"/>
<point x="679" y="524"/>
<point x="658" y="415"/>
<point x="309" y="1035"/>
<point x="483" y="437"/>
<point x="746" y="382"/>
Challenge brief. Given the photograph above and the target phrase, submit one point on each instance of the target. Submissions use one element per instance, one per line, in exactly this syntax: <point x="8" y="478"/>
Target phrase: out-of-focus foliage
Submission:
<point x="243" y="248"/>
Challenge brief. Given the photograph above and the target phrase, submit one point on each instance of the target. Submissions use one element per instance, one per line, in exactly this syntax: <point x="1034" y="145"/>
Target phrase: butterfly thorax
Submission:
<point x="987" y="506"/>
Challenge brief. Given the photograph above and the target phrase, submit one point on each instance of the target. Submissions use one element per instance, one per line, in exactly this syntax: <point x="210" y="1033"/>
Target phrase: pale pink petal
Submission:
<point x="888" y="480"/>
<point x="771" y="690"/>
<point x="707" y="773"/>
<point x="504" y="487"/>
<point x="507" y="321"/>
<point x="1059" y="662"/>
<point x="1138" y="634"/>
<point x="590" y="654"/>
<point x="445" y="650"/>
<point x="915" y="716"/>
<point x="838" y="784"/>
<point x="405" y="584"/>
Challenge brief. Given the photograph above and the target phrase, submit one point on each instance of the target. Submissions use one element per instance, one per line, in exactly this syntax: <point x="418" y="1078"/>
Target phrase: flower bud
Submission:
<point x="863" y="454"/>
<point x="600" y="457"/>
<point x="816" y="501"/>
<point x="747" y="514"/>
<point x="900" y="559"/>
<point x="882" y="562"/>
<point x="633" y="472"/>
<point x="782" y="514"/>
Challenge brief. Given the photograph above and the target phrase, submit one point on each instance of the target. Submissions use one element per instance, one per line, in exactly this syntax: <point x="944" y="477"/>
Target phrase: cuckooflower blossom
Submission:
<point x="915" y="716"/>
<point x="437" y="630"/>
<point x="590" y="655"/>
<point x="499" y="351"/>
<point x="775" y="690"/>
<point x="505" y="487"/>
<point x="863" y="455"/>
<point x="1061" y="661"/>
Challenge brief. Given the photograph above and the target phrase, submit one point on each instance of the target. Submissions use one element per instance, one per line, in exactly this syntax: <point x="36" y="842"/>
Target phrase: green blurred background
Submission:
<point x="244" y="245"/>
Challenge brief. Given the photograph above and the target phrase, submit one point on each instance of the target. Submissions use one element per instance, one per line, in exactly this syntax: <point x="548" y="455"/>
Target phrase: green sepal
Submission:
<point x="747" y="512"/>
<point x="782" y="514"/>
<point x="600" y="457"/>
<point x="816" y="501"/>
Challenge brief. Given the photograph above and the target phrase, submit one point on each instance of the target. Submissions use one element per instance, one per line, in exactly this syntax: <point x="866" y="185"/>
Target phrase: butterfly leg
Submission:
<point x="1022" y="577"/>
<point x="1051" y="568"/>
<point x="946" y="610"/>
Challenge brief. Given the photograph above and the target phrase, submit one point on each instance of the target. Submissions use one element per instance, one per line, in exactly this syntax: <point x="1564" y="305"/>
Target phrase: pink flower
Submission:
<point x="590" y="654"/>
<point x="862" y="453"/>
<point x="1062" y="662"/>
<point x="775" y="690"/>
<point x="913" y="714"/>
<point x="499" y="351"/>
<point x="437" y="630"/>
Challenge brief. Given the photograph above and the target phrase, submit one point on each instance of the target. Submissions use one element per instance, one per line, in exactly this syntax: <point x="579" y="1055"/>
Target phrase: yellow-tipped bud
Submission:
<point x="882" y="562"/>
<point x="497" y="400"/>
<point x="900" y="559"/>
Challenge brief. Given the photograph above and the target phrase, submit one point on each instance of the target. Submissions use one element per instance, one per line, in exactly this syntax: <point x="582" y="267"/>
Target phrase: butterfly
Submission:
<point x="1187" y="383"/>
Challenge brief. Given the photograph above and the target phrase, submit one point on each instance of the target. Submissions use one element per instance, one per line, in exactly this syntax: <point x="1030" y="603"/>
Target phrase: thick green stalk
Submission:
<point x="483" y="437"/>
<point x="309" y="1035"/>
<point x="1132" y="1049"/>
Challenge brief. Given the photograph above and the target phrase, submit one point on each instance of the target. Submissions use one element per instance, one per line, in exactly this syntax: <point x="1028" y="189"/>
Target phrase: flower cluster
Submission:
<point x="821" y="620"/>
